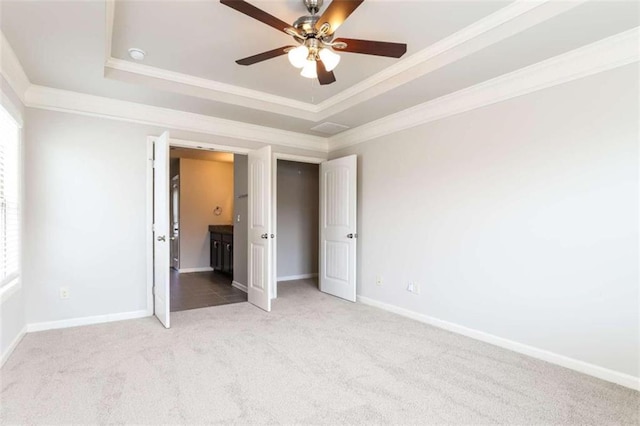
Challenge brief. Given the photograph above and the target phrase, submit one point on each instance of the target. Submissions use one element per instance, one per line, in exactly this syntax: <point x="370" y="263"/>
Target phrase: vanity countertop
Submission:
<point x="221" y="229"/>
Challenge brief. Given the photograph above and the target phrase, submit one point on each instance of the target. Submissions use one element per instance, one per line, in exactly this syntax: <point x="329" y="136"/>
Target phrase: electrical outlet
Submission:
<point x="238" y="219"/>
<point x="379" y="281"/>
<point x="64" y="292"/>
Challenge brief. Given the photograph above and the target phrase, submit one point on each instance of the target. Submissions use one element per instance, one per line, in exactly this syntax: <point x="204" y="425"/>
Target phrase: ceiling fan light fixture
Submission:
<point x="314" y="34"/>
<point x="309" y="70"/>
<point x="329" y="58"/>
<point x="298" y="56"/>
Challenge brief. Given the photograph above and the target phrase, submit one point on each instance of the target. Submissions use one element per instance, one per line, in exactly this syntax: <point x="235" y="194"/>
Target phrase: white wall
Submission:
<point x="12" y="303"/>
<point x="519" y="219"/>
<point x="240" y="206"/>
<point x="85" y="216"/>
<point x="297" y="221"/>
<point x="204" y="185"/>
<point x="85" y="213"/>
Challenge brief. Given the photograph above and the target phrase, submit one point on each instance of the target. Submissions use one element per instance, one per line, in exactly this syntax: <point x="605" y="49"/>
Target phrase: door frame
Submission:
<point x="274" y="205"/>
<point x="149" y="199"/>
<point x="175" y="180"/>
<point x="207" y="146"/>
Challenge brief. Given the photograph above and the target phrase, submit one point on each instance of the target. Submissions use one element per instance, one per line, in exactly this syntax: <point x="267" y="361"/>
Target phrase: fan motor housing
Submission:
<point x="306" y="24"/>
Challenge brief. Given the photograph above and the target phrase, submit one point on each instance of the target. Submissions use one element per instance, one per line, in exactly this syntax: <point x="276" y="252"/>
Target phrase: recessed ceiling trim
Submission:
<point x="498" y="26"/>
<point x="606" y="54"/>
<point x="12" y="70"/>
<point x="110" y="7"/>
<point x="612" y="52"/>
<point x="207" y="89"/>
<point x="98" y="106"/>
<point x="506" y="22"/>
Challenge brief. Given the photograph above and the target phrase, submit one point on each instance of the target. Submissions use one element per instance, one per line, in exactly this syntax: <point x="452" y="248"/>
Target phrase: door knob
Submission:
<point x="161" y="238"/>
<point x="264" y="236"/>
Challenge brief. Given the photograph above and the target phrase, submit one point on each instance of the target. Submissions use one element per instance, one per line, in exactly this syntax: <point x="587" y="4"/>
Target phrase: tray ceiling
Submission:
<point x="64" y="45"/>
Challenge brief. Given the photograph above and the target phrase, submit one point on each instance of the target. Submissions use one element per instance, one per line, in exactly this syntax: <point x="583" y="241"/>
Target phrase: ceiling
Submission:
<point x="61" y="44"/>
<point x="206" y="38"/>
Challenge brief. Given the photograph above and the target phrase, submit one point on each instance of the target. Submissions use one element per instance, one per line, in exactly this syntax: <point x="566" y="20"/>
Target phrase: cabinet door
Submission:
<point x="227" y="250"/>
<point x="213" y="253"/>
<point x="220" y="253"/>
<point x="216" y="252"/>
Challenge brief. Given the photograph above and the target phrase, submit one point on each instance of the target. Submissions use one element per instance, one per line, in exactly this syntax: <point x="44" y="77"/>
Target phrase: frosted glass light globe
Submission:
<point x="309" y="70"/>
<point x="298" y="56"/>
<point x="329" y="59"/>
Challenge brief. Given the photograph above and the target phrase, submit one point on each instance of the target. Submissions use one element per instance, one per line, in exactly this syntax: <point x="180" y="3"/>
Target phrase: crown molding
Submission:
<point x="609" y="53"/>
<point x="12" y="70"/>
<point x="505" y="22"/>
<point x="606" y="54"/>
<point x="109" y="19"/>
<point x="612" y="52"/>
<point x="134" y="72"/>
<point x="207" y="89"/>
<point x="98" y="106"/>
<point x="110" y="10"/>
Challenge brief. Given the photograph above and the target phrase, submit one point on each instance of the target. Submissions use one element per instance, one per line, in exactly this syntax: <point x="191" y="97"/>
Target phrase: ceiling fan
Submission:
<point x="314" y="34"/>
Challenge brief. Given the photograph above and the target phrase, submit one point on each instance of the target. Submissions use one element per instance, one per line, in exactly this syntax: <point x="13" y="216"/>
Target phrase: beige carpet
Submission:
<point x="314" y="359"/>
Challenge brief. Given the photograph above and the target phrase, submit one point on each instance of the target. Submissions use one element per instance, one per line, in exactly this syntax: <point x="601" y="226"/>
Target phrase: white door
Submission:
<point x="338" y="227"/>
<point x="161" y="234"/>
<point x="260" y="231"/>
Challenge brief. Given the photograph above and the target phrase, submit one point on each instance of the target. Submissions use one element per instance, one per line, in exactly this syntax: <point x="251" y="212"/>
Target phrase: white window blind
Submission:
<point x="9" y="199"/>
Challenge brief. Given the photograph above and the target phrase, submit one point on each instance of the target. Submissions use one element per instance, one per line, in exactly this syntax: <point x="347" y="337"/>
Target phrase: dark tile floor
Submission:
<point x="202" y="289"/>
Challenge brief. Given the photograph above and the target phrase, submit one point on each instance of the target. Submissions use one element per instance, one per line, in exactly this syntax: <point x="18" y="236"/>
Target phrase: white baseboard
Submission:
<point x="613" y="376"/>
<point x="75" y="322"/>
<point x="188" y="270"/>
<point x="12" y="346"/>
<point x="239" y="286"/>
<point x="297" y="277"/>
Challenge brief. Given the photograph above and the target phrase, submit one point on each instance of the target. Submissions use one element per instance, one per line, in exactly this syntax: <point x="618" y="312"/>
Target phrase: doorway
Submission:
<point x="297" y="214"/>
<point x="337" y="223"/>
<point x="202" y="211"/>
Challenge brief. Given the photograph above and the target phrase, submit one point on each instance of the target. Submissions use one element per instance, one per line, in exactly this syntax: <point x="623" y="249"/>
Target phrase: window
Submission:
<point x="9" y="199"/>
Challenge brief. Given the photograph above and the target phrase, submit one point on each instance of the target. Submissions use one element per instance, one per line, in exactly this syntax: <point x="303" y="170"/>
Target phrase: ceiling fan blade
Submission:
<point x="337" y="12"/>
<point x="368" y="47"/>
<point x="252" y="11"/>
<point x="324" y="76"/>
<point x="263" y="56"/>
